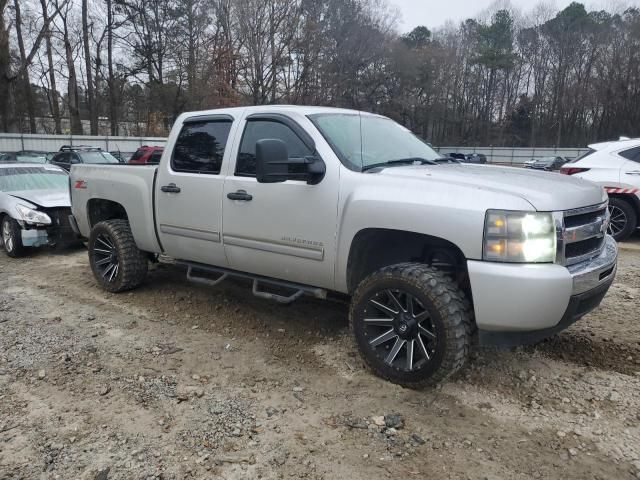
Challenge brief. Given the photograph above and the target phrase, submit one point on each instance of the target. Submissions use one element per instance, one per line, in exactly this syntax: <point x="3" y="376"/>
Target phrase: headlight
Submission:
<point x="30" y="215"/>
<point x="519" y="237"/>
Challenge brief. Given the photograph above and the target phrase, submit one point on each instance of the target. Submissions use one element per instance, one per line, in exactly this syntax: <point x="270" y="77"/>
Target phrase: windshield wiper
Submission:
<point x="400" y="161"/>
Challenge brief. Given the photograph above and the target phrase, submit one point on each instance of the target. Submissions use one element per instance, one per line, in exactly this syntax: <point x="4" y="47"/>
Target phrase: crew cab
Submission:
<point x="616" y="166"/>
<point x="314" y="200"/>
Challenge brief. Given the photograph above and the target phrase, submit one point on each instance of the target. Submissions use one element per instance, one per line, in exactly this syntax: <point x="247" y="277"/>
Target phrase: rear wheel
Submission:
<point x="116" y="261"/>
<point x="11" y="237"/>
<point x="411" y="324"/>
<point x="623" y="219"/>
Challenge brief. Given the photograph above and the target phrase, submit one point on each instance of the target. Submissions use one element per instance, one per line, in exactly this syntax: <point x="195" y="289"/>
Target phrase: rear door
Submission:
<point x="188" y="191"/>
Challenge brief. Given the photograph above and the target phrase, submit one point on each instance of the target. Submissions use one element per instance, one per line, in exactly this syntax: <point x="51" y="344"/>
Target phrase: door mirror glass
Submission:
<point x="274" y="165"/>
<point x="272" y="161"/>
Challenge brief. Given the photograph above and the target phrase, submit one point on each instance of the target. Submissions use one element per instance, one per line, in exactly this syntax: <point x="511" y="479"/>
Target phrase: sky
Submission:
<point x="434" y="13"/>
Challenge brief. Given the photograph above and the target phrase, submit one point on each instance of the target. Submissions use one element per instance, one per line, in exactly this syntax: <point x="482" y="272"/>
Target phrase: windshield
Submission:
<point x="15" y="179"/>
<point x="363" y="140"/>
<point x="31" y="157"/>
<point x="97" y="157"/>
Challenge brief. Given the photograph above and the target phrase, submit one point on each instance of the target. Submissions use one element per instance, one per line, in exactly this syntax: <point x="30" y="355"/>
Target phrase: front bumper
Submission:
<point x="521" y="304"/>
<point x="58" y="233"/>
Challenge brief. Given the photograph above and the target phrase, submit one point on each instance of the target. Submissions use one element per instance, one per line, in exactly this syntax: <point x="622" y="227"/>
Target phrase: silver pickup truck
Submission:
<point x="313" y="200"/>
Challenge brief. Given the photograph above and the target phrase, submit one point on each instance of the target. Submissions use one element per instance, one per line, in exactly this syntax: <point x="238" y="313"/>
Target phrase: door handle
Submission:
<point x="240" y="195"/>
<point x="633" y="172"/>
<point x="171" y="188"/>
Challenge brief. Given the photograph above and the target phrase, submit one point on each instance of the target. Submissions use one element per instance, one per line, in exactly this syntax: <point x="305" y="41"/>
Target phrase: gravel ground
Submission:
<point x="177" y="381"/>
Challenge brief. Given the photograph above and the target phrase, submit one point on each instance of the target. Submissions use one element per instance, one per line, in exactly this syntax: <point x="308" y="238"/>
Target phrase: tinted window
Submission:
<point x="136" y="156"/>
<point x="200" y="147"/>
<point x="155" y="157"/>
<point x="631" y="154"/>
<point x="262" y="129"/>
<point x="61" y="157"/>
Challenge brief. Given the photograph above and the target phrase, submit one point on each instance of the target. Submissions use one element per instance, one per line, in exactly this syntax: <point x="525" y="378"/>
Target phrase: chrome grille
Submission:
<point x="581" y="233"/>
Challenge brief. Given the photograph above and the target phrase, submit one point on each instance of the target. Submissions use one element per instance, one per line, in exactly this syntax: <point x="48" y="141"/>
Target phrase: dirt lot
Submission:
<point x="179" y="381"/>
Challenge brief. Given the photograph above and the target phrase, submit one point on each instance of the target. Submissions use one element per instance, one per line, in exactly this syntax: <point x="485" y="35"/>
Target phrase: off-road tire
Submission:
<point x="450" y="315"/>
<point x="630" y="213"/>
<point x="17" y="249"/>
<point x="132" y="262"/>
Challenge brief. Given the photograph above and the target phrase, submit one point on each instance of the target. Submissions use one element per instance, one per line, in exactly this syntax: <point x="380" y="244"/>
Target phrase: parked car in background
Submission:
<point x="24" y="156"/>
<point x="147" y="155"/>
<point x="123" y="157"/>
<point x="34" y="207"/>
<point x="69" y="155"/>
<point x="616" y="166"/>
<point x="468" y="157"/>
<point x="461" y="157"/>
<point x="548" y="164"/>
<point x="476" y="158"/>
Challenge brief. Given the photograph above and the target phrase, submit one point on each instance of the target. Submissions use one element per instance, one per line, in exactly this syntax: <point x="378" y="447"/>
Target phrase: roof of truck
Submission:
<point x="300" y="109"/>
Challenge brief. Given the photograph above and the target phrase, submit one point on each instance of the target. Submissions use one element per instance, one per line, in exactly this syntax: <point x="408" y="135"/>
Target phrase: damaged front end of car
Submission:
<point x="45" y="226"/>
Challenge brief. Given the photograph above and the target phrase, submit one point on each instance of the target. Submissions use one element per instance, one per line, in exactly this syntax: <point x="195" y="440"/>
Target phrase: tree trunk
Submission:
<point x="72" y="86"/>
<point x="111" y="82"/>
<point x="26" y="82"/>
<point x="93" y="114"/>
<point x="7" y="114"/>
<point x="55" y="106"/>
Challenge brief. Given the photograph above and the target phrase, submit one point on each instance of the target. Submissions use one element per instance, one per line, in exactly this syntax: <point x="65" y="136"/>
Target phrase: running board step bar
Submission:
<point x="258" y="280"/>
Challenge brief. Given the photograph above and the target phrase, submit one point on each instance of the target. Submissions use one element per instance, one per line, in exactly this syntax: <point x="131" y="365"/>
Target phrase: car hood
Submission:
<point x="544" y="191"/>
<point x="44" y="198"/>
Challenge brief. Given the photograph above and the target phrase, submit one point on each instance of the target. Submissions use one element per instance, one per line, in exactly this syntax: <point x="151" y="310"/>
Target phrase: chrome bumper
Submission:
<point x="592" y="273"/>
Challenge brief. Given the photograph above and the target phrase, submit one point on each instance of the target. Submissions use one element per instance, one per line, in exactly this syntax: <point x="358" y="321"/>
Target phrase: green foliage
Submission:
<point x="419" y="37"/>
<point x="495" y="42"/>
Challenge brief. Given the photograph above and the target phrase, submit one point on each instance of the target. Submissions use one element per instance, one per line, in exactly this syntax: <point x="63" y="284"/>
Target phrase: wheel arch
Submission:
<point x="375" y="248"/>
<point x="630" y="198"/>
<point x="99" y="210"/>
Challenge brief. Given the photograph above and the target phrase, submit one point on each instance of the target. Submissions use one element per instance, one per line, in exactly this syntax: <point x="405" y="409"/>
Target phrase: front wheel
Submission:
<point x="623" y="220"/>
<point x="11" y="237"/>
<point x="411" y="324"/>
<point x="115" y="259"/>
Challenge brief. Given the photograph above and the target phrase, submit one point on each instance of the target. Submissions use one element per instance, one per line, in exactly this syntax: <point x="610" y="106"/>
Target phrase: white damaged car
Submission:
<point x="34" y="207"/>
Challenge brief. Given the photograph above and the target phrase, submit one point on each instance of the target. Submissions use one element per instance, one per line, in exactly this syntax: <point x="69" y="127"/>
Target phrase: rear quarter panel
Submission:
<point x="129" y="185"/>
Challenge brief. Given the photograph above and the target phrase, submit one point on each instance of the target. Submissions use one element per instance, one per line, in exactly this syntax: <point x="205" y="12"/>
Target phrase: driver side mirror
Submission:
<point x="273" y="164"/>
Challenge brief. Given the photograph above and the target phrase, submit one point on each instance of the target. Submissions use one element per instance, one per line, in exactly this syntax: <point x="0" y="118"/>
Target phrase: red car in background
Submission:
<point x="147" y="155"/>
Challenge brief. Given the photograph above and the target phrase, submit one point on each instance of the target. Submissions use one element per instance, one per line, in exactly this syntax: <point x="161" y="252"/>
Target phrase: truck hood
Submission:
<point x="44" y="198"/>
<point x="545" y="191"/>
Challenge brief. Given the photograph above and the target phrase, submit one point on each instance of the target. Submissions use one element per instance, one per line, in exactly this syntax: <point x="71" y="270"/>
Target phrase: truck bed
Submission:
<point x="131" y="186"/>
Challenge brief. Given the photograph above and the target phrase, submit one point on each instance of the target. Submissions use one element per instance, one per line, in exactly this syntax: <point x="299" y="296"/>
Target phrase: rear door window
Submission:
<point x="200" y="146"/>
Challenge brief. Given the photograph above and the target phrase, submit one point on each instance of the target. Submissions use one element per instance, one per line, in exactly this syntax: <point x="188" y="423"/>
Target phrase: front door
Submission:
<point x="189" y="189"/>
<point x="282" y="230"/>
